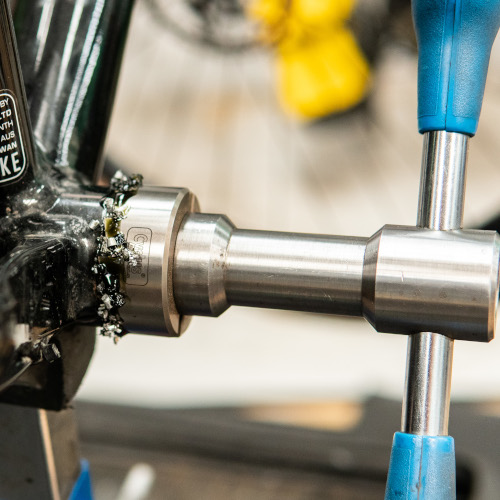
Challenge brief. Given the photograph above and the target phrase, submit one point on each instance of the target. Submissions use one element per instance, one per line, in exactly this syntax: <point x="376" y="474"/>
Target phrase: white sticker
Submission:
<point x="12" y="156"/>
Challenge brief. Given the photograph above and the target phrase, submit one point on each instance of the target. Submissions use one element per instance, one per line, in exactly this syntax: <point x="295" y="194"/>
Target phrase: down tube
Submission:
<point x="71" y="54"/>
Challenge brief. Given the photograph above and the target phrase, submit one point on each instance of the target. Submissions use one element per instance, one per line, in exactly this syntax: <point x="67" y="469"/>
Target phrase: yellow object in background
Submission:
<point x="321" y="69"/>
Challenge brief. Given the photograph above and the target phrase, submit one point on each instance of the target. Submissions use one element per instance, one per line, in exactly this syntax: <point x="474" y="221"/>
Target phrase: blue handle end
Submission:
<point x="82" y="490"/>
<point x="421" y="468"/>
<point x="455" y="38"/>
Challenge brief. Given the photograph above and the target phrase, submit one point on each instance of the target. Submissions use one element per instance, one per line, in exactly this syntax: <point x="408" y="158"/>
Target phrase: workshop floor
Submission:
<point x="188" y="117"/>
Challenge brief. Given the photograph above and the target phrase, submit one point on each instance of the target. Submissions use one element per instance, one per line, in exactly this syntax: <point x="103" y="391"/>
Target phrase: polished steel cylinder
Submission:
<point x="426" y="402"/>
<point x="154" y="216"/>
<point x="430" y="356"/>
<point x="442" y="182"/>
<point x="423" y="280"/>
<point x="302" y="272"/>
<point x="200" y="263"/>
<point x="217" y="265"/>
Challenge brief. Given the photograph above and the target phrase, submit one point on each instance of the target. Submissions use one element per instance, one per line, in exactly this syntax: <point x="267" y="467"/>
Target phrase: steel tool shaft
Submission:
<point x="454" y="41"/>
<point x="430" y="356"/>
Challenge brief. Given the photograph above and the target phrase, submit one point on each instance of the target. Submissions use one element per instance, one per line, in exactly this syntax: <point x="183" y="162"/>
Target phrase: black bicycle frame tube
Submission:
<point x="17" y="159"/>
<point x="71" y="54"/>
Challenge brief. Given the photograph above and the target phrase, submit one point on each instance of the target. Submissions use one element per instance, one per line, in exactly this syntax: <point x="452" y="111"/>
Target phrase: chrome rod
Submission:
<point x="442" y="184"/>
<point x="430" y="356"/>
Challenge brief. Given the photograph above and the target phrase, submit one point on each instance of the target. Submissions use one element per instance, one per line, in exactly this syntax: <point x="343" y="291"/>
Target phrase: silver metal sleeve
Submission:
<point x="150" y="229"/>
<point x="421" y="280"/>
<point x="264" y="269"/>
<point x="430" y="356"/>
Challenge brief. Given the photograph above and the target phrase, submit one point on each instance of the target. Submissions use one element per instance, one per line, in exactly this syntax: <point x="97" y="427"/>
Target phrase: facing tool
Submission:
<point x="144" y="260"/>
<point x="455" y="38"/>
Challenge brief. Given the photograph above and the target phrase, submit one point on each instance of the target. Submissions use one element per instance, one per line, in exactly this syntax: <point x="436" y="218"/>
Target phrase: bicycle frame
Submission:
<point x="71" y="55"/>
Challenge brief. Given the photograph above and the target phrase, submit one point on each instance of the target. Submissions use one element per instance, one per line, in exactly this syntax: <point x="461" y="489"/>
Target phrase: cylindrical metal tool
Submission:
<point x="151" y="232"/>
<point x="403" y="279"/>
<point x="217" y="265"/>
<point x="454" y="44"/>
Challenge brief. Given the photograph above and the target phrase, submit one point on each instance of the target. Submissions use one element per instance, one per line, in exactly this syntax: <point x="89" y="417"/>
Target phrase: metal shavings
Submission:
<point x="123" y="184"/>
<point x="112" y="252"/>
<point x="94" y="225"/>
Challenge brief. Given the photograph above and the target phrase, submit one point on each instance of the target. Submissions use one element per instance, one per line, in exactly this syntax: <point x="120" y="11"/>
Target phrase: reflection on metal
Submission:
<point x="48" y="284"/>
<point x="403" y="280"/>
<point x="429" y="364"/>
<point x="426" y="403"/>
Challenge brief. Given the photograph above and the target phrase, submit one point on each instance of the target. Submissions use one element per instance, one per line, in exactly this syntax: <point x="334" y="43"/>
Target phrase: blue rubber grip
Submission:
<point x="422" y="467"/>
<point x="454" y="42"/>
<point x="82" y="490"/>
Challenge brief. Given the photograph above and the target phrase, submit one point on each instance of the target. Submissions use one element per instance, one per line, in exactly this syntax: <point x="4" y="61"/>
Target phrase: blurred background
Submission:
<point x="288" y="118"/>
<point x="215" y="119"/>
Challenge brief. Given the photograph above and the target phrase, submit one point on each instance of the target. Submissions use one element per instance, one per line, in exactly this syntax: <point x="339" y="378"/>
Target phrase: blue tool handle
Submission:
<point x="454" y="42"/>
<point x="82" y="489"/>
<point x="421" y="468"/>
